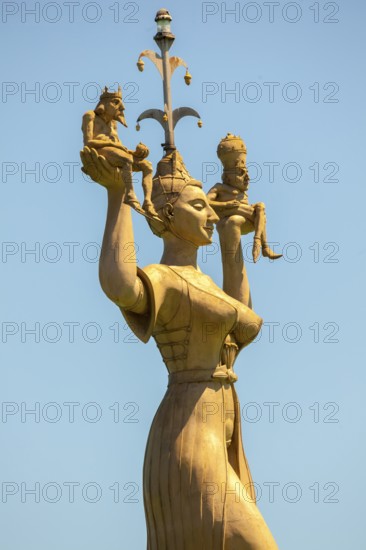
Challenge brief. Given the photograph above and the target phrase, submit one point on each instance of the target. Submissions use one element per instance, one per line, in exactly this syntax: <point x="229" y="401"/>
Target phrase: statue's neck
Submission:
<point x="179" y="252"/>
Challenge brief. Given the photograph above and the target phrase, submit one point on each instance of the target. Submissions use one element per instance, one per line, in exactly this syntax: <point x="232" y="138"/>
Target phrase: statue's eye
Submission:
<point x="198" y="205"/>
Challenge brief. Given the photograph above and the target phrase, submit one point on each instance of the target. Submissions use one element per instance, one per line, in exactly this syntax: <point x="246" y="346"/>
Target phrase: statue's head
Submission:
<point x="233" y="154"/>
<point x="111" y="107"/>
<point x="181" y="203"/>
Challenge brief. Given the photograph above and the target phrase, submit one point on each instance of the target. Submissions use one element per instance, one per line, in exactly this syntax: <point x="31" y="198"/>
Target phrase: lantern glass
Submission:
<point x="163" y="25"/>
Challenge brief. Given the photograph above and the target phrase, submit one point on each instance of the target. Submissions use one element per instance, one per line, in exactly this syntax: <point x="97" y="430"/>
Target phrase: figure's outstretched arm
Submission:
<point x="117" y="266"/>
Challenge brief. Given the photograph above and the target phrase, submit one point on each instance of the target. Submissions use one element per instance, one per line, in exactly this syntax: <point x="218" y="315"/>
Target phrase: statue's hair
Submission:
<point x="168" y="189"/>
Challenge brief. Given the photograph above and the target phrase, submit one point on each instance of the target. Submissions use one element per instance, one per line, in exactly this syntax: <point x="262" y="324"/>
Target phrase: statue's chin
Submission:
<point x="203" y="240"/>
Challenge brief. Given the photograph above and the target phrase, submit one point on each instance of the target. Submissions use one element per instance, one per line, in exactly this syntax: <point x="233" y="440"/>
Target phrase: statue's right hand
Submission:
<point x="100" y="170"/>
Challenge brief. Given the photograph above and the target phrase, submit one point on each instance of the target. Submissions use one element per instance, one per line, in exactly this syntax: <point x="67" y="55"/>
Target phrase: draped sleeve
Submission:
<point x="155" y="279"/>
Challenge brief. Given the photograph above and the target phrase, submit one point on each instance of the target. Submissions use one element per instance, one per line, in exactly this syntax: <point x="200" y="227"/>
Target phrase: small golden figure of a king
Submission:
<point x="100" y="133"/>
<point x="230" y="197"/>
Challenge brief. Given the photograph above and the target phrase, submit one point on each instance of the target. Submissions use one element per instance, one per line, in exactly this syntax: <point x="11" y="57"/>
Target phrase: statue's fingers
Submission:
<point x="94" y="165"/>
<point x="83" y="155"/>
<point x="85" y="162"/>
<point x="105" y="164"/>
<point x="89" y="167"/>
<point x="94" y="155"/>
<point x="86" y="156"/>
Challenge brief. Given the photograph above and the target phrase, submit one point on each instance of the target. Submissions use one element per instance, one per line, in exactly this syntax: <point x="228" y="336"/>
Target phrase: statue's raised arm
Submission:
<point x="118" y="277"/>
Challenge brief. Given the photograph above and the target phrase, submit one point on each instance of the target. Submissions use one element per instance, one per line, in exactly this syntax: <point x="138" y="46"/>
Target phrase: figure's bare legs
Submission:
<point x="130" y="195"/>
<point x="259" y="225"/>
<point x="145" y="167"/>
<point x="124" y="161"/>
<point x="260" y="236"/>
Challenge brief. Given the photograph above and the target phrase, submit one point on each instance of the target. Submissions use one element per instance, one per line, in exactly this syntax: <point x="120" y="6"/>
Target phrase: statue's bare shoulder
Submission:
<point x="224" y="190"/>
<point x="214" y="191"/>
<point x="89" y="115"/>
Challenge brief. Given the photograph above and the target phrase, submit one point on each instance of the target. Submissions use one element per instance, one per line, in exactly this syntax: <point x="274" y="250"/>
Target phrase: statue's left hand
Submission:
<point x="100" y="170"/>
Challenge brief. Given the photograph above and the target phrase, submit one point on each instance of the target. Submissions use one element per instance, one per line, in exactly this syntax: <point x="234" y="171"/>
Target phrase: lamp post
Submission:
<point x="166" y="65"/>
<point x="164" y="39"/>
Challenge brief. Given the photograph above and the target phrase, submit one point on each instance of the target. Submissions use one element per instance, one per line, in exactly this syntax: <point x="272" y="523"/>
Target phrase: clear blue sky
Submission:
<point x="296" y="73"/>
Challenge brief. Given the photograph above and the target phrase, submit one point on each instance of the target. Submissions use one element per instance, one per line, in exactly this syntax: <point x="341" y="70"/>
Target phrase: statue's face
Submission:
<point x="241" y="172"/>
<point x="114" y="109"/>
<point x="193" y="218"/>
<point x="236" y="173"/>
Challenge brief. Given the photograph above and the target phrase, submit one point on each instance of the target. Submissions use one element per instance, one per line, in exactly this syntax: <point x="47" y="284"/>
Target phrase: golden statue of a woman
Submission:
<point x="198" y="492"/>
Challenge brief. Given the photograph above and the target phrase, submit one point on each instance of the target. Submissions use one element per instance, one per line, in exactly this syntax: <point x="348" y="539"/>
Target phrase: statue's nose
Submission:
<point x="212" y="216"/>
